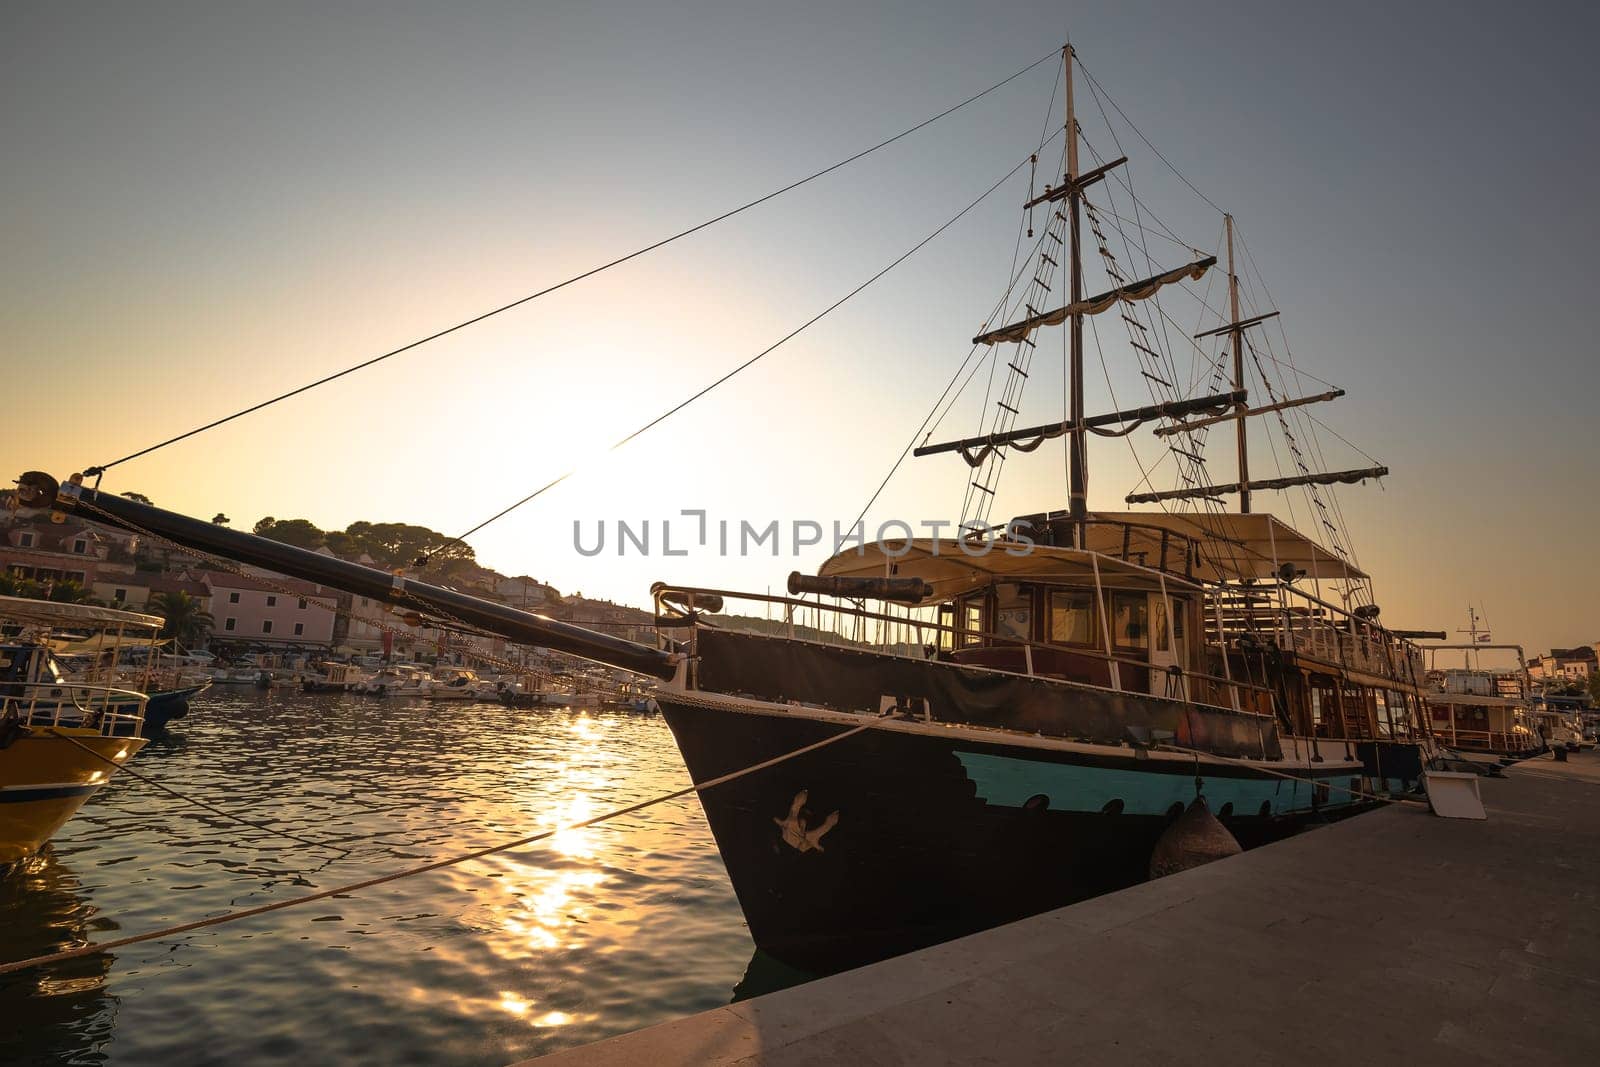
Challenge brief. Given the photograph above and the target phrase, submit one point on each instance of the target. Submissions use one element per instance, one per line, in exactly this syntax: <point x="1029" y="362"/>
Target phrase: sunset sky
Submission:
<point x="209" y="204"/>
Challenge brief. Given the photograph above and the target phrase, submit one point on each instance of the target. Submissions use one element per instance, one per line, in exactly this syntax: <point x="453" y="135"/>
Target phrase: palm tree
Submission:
<point x="186" y="623"/>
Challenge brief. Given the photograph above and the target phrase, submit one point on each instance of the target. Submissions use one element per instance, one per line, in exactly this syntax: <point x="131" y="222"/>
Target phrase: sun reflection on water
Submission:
<point x="587" y="933"/>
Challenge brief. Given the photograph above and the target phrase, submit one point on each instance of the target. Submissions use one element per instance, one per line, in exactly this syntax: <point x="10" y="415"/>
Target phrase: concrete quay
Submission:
<point x="1393" y="936"/>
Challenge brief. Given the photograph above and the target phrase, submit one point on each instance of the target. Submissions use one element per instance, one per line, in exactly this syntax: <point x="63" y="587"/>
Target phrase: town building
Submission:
<point x="1567" y="664"/>
<point x="269" y="611"/>
<point x="134" y="592"/>
<point x="51" y="552"/>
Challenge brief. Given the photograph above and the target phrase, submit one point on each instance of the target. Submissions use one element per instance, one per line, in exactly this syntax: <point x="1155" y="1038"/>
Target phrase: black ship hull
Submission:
<point x="905" y="835"/>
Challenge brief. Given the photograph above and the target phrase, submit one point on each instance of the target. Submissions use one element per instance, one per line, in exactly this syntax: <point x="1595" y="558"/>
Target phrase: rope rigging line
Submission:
<point x="1096" y="83"/>
<point x="930" y="423"/>
<point x="1307" y="422"/>
<point x="95" y="948"/>
<point x="94" y="471"/>
<point x="818" y="317"/>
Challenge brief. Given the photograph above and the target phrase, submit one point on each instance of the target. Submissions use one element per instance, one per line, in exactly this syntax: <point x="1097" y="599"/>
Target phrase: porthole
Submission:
<point x="1037" y="802"/>
<point x="1112" y="807"/>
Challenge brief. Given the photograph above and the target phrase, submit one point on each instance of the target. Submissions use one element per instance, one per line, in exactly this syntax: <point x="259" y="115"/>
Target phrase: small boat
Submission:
<point x="1558" y="727"/>
<point x="165" y="705"/>
<point x="334" y="678"/>
<point x="60" y="740"/>
<point x="635" y="697"/>
<point x="236" y="675"/>
<point x="394" y="680"/>
<point x="453" y="683"/>
<point x="1484" y="716"/>
<point x="531" y="691"/>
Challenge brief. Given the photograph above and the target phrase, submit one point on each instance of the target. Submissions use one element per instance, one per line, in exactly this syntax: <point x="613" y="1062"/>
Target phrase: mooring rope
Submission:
<point x="97" y="947"/>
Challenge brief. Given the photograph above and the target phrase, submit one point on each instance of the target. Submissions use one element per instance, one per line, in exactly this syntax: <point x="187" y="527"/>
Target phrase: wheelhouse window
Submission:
<point x="1323" y="706"/>
<point x="972" y="620"/>
<point x="1071" y="617"/>
<point x="1399" y="713"/>
<point x="947" y="622"/>
<point x="1162" y="632"/>
<point x="1130" y="620"/>
<point x="1014" y="612"/>
<point x="1380" y="700"/>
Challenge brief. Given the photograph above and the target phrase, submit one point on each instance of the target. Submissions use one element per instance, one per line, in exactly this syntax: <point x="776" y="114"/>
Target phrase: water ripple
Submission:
<point x="594" y="932"/>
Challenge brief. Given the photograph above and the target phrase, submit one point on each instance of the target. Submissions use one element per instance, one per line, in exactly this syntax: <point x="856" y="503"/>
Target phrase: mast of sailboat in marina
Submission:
<point x="1242" y="410"/>
<point x="1077" y="439"/>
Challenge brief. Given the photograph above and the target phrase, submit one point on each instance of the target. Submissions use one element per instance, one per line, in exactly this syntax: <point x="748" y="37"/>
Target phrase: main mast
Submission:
<point x="1077" y="443"/>
<point x="1075" y="426"/>
<point x="1242" y="411"/>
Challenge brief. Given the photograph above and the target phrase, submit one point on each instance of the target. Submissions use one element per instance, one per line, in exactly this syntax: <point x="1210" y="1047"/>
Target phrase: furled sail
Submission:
<point x="1140" y="290"/>
<point x="1327" y="478"/>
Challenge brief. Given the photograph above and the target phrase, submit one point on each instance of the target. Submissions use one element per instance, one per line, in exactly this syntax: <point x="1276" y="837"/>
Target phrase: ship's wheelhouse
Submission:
<point x="1129" y="620"/>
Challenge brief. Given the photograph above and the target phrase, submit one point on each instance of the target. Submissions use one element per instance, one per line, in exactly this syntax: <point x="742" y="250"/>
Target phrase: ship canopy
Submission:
<point x="1130" y="550"/>
<point x="1233" y="547"/>
<point x="15" y="609"/>
<point x="953" y="567"/>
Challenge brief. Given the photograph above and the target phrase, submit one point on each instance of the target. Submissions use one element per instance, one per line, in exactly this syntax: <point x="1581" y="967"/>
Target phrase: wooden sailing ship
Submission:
<point x="1032" y="707"/>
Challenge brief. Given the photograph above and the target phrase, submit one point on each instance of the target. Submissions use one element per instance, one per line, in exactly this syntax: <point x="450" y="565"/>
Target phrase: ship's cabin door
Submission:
<point x="1167" y="648"/>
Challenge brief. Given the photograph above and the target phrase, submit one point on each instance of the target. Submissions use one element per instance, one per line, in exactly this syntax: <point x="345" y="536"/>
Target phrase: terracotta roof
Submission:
<point x="161" y="583"/>
<point x="275" y="584"/>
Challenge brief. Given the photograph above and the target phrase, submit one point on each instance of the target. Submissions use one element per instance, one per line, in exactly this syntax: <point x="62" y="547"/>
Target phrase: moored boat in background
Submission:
<point x="333" y="678"/>
<point x="60" y="740"/>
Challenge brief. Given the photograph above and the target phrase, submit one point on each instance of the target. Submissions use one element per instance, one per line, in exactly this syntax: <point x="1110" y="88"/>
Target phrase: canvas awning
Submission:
<point x="1233" y="547"/>
<point x="1471" y="700"/>
<point x="89" y="646"/>
<point x="49" y="613"/>
<point x="943" y="564"/>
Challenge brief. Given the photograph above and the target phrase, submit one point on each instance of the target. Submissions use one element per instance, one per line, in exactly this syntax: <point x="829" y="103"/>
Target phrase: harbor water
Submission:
<point x="592" y="933"/>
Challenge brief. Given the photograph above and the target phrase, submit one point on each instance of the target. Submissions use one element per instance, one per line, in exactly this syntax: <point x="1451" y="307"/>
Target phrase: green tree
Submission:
<point x="1594" y="688"/>
<point x="399" y="544"/>
<point x="186" y="623"/>
<point x="341" y="544"/>
<point x="139" y="498"/>
<point x="301" y="533"/>
<point x="220" y="519"/>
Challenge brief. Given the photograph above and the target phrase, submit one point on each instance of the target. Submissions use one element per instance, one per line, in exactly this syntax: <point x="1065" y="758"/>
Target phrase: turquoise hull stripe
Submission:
<point x="1009" y="783"/>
